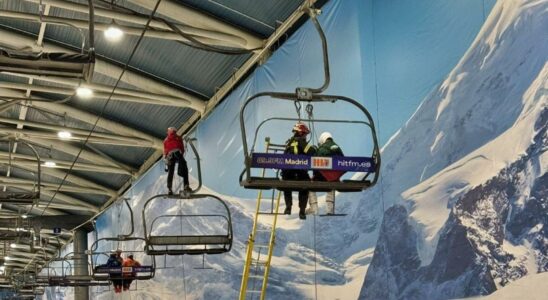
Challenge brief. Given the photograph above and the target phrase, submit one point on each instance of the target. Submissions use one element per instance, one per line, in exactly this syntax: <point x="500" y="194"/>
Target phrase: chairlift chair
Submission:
<point x="369" y="165"/>
<point x="103" y="272"/>
<point x="31" y="196"/>
<point x="65" y="276"/>
<point x="158" y="244"/>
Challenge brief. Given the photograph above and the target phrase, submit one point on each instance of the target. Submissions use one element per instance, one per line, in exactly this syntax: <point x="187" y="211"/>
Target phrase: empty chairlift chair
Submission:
<point x="20" y="192"/>
<point x="187" y="243"/>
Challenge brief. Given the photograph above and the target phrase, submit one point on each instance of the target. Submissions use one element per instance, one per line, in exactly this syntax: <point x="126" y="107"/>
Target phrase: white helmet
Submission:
<point x="324" y="136"/>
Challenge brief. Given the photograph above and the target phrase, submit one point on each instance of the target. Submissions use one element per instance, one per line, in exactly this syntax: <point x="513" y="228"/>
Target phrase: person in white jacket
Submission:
<point x="326" y="147"/>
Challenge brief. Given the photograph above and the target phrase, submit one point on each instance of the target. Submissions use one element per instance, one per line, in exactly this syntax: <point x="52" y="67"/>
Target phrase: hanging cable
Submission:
<point x="105" y="105"/>
<point x="315" y="261"/>
<point x="310" y="115"/>
<point x="379" y="131"/>
<point x="184" y="276"/>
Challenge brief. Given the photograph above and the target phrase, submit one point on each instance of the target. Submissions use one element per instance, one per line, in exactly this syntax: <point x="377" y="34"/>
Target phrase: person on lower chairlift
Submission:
<point x="297" y="144"/>
<point x="114" y="262"/>
<point x="174" y="151"/>
<point x="326" y="147"/>
<point x="129" y="262"/>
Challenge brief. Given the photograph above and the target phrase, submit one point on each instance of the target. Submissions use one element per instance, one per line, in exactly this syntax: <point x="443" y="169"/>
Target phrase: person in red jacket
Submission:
<point x="173" y="154"/>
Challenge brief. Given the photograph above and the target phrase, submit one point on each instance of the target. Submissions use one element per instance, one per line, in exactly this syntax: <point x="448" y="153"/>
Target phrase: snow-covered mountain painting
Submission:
<point x="467" y="174"/>
<point x="461" y="209"/>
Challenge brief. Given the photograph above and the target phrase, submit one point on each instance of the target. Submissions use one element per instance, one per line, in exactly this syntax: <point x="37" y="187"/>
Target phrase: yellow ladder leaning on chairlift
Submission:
<point x="256" y="270"/>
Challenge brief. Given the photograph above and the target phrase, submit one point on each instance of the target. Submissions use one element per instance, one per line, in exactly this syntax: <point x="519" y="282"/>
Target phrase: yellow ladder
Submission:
<point x="257" y="262"/>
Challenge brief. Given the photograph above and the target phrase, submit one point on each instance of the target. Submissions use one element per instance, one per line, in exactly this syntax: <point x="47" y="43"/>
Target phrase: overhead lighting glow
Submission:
<point x="64" y="135"/>
<point x="50" y="164"/>
<point x="113" y="33"/>
<point x="13" y="245"/>
<point x="7" y="258"/>
<point x="24" y="216"/>
<point x="84" y="92"/>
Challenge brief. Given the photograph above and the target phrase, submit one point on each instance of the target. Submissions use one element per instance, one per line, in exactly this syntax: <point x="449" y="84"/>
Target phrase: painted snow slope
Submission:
<point x="531" y="287"/>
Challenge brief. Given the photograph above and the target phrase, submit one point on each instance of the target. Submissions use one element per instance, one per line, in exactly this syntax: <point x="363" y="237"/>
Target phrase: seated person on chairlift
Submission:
<point x="297" y="144"/>
<point x="326" y="147"/>
<point x="174" y="154"/>
<point x="129" y="262"/>
<point x="114" y="262"/>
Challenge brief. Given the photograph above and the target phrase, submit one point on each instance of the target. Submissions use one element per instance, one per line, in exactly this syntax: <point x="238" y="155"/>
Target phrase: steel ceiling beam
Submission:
<point x="49" y="186"/>
<point x="80" y="134"/>
<point x="30" y="161"/>
<point x="98" y="95"/>
<point x="73" y="150"/>
<point x="158" y="99"/>
<point x="187" y="15"/>
<point x="76" y="180"/>
<point x="84" y="116"/>
<point x="19" y="41"/>
<point x="30" y="134"/>
<point x="158" y="29"/>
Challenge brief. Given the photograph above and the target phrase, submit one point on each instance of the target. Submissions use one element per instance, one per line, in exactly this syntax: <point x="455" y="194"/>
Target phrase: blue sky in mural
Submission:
<point x="416" y="43"/>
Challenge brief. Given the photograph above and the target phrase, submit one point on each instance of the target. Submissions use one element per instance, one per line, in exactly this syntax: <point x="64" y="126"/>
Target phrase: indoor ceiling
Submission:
<point x="192" y="54"/>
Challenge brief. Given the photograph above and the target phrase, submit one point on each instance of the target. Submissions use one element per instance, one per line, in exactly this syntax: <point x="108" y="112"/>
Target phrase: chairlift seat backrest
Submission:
<point x="182" y="244"/>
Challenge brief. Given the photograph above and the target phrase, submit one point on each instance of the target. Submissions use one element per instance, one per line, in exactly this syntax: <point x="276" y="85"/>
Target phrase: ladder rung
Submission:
<point x="256" y="277"/>
<point x="263" y="230"/>
<point x="261" y="246"/>
<point x="253" y="291"/>
<point x="258" y="262"/>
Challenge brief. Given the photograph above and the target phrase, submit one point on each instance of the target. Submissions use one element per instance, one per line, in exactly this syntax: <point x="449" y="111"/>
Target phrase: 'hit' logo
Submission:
<point x="322" y="163"/>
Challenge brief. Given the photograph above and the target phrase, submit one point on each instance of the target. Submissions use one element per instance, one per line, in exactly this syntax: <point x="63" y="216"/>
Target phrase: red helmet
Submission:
<point x="301" y="128"/>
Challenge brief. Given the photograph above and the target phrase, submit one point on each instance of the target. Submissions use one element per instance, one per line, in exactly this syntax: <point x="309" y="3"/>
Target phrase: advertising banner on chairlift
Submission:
<point x="303" y="162"/>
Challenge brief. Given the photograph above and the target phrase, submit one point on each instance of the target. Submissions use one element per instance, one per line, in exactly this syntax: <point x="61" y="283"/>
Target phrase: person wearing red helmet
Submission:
<point x="297" y="144"/>
<point x="173" y="154"/>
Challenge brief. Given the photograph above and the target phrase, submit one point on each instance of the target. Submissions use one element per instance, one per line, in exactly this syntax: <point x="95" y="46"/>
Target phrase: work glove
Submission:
<point x="166" y="162"/>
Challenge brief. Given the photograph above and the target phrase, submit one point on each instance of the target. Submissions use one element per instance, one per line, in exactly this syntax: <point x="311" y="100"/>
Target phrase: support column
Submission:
<point x="81" y="262"/>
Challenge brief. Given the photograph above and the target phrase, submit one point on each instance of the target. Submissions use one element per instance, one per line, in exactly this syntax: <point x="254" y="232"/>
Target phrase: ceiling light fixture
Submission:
<point x="84" y="92"/>
<point x="113" y="32"/>
<point x="64" y="135"/>
<point x="50" y="164"/>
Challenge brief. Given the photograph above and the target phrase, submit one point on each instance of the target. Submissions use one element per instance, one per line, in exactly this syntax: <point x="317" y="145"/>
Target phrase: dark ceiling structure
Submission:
<point x="193" y="52"/>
